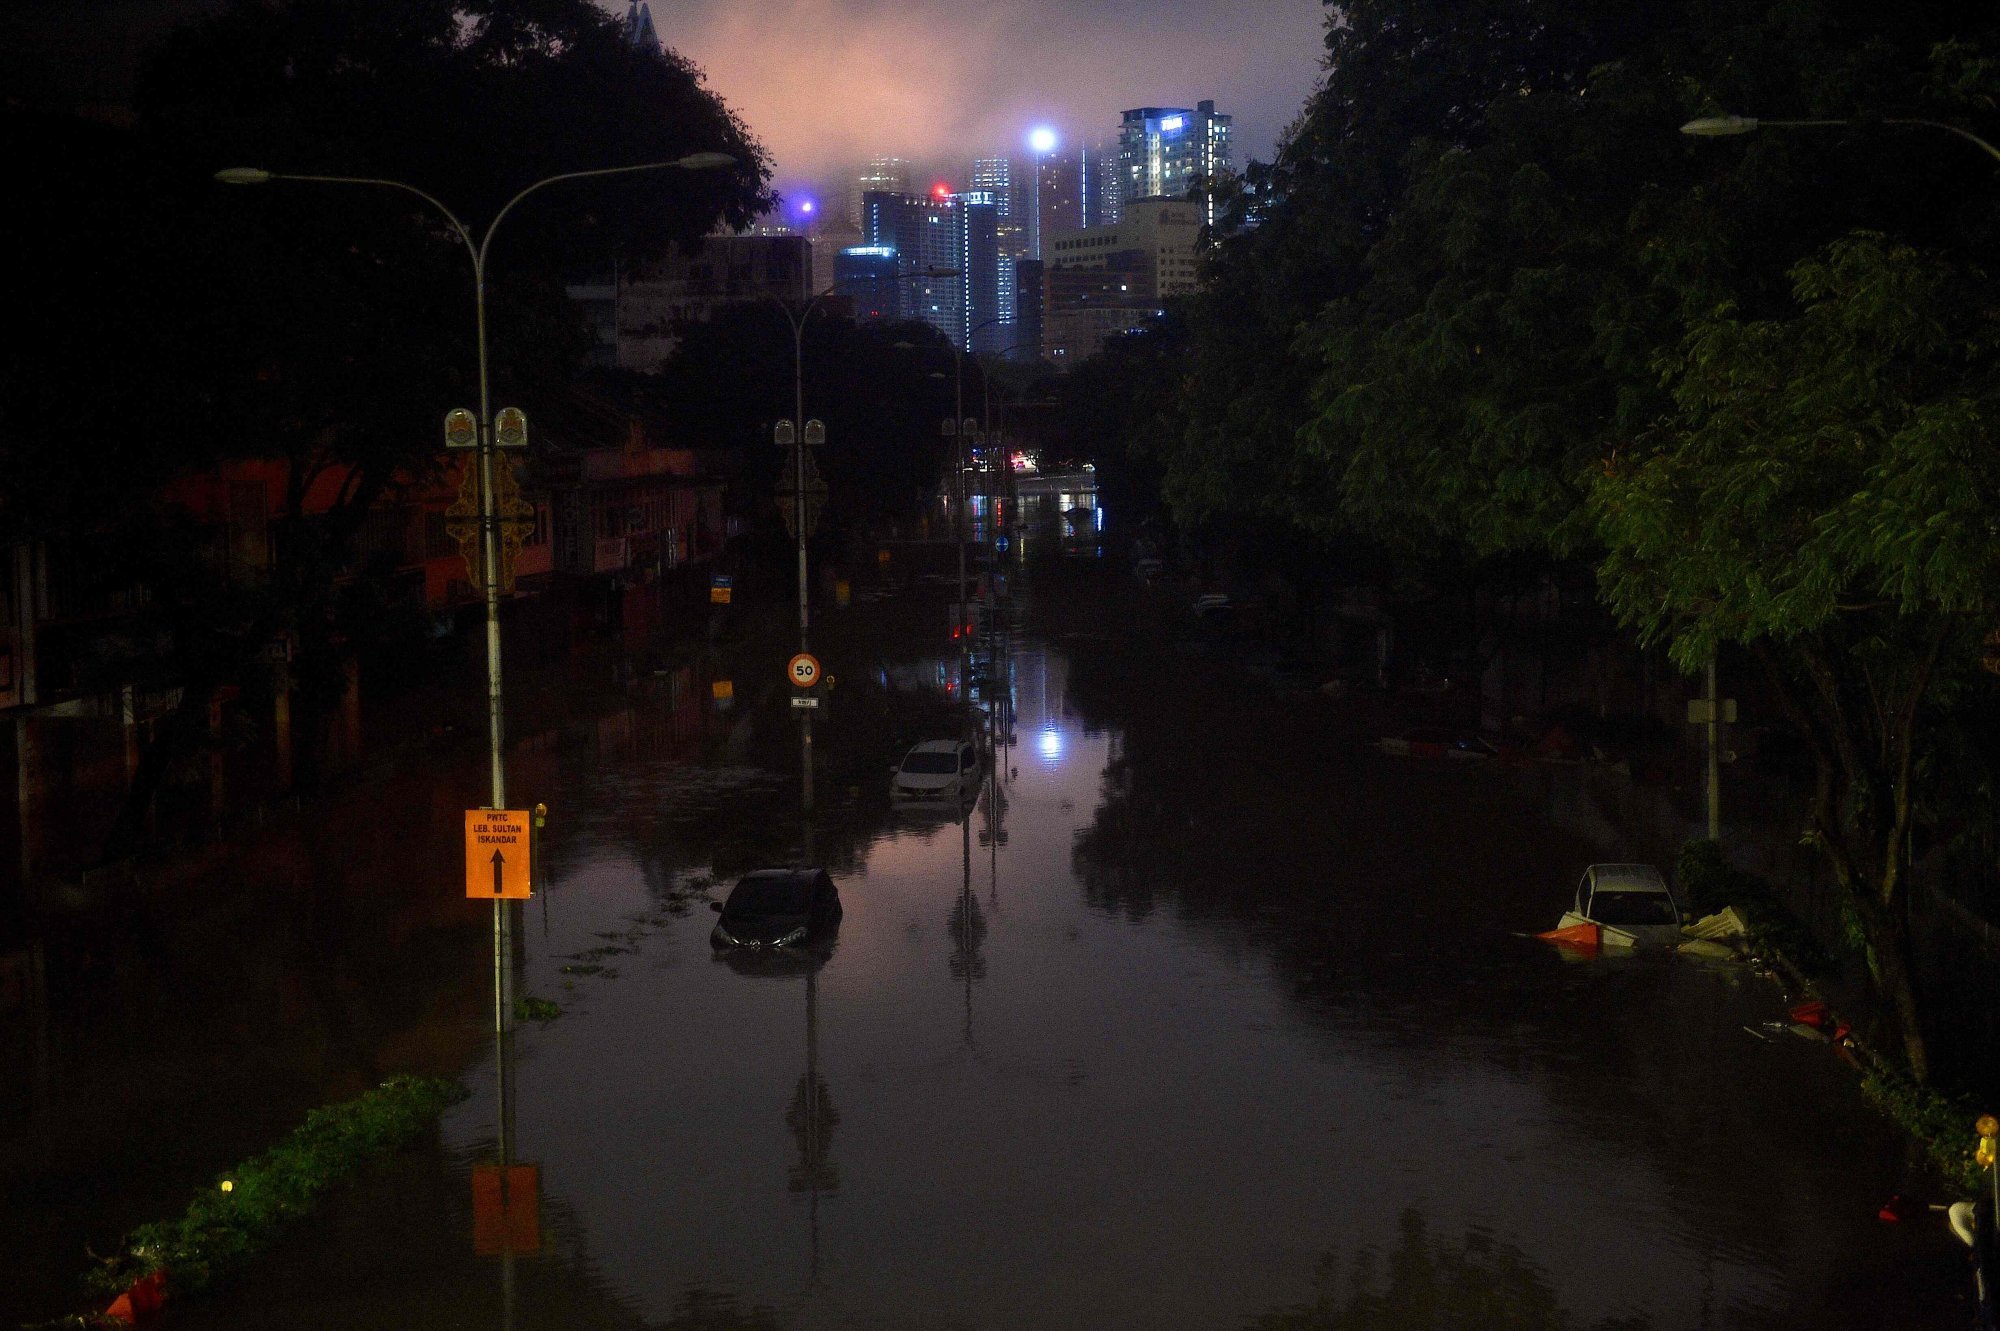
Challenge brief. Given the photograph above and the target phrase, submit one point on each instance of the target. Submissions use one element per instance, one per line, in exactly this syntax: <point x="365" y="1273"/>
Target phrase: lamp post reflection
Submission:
<point x="812" y="1119"/>
<point x="968" y="929"/>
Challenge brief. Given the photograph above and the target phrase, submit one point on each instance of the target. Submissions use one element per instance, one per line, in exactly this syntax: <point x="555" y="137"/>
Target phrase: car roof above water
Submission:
<point x="1627" y="878"/>
<point x="780" y="876"/>
<point x="936" y="746"/>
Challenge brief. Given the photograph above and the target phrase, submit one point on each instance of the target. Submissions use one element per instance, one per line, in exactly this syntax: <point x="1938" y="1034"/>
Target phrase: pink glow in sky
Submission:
<point x="825" y="84"/>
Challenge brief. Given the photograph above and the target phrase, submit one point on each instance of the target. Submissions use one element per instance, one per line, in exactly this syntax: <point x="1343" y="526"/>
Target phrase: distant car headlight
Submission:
<point x="797" y="935"/>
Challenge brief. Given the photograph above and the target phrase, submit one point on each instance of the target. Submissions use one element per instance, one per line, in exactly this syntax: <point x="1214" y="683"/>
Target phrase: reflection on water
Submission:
<point x="1200" y="991"/>
<point x="1426" y="1284"/>
<point x="1253" y="997"/>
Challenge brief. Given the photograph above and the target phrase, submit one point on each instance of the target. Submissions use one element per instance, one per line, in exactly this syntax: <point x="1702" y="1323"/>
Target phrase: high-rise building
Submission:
<point x="985" y="323"/>
<point x="995" y="175"/>
<point x="992" y="175"/>
<point x="639" y="32"/>
<point x="1103" y="280"/>
<point x="828" y="237"/>
<point x="1166" y="151"/>
<point x="885" y="175"/>
<point x="1109" y="203"/>
<point x="949" y="233"/>
<point x="1028" y="300"/>
<point x="924" y="233"/>
<point x="636" y="311"/>
<point x="1058" y="197"/>
<point x="867" y="276"/>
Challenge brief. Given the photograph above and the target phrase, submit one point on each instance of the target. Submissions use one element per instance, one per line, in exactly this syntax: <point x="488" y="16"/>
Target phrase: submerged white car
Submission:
<point x="1630" y="904"/>
<point x="937" y="771"/>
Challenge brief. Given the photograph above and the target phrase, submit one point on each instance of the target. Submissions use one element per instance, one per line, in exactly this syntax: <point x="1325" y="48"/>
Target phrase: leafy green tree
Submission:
<point x="1824" y="495"/>
<point x="1478" y="242"/>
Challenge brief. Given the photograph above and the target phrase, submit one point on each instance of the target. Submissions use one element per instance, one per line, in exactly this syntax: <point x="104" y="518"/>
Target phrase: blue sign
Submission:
<point x="720" y="580"/>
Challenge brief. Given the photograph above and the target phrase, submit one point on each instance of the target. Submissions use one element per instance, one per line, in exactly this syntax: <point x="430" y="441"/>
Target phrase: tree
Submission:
<point x="1477" y="244"/>
<point x="329" y="328"/>
<point x="1824" y="495"/>
<point x="731" y="378"/>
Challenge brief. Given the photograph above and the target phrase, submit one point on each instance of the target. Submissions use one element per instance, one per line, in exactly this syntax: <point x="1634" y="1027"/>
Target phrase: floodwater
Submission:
<point x="1204" y="1016"/>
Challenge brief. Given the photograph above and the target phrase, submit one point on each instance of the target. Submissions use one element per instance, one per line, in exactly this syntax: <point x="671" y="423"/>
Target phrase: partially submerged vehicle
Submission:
<point x="1624" y="906"/>
<point x="937" y="771"/>
<point x="777" y="908"/>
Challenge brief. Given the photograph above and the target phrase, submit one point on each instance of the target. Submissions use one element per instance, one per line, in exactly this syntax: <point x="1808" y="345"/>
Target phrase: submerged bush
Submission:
<point x="247" y="1207"/>
<point x="1708" y="882"/>
<point x="1943" y="1123"/>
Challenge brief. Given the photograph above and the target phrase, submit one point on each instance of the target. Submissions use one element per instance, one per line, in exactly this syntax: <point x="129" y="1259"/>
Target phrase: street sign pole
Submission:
<point x="489" y="538"/>
<point x="1714" y="757"/>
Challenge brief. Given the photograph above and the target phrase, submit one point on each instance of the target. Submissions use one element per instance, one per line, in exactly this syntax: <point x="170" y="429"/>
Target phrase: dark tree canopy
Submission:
<point x="166" y="322"/>
<point x="1487" y="306"/>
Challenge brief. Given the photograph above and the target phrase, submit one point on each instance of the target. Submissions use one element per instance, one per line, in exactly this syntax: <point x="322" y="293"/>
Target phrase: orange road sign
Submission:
<point x="506" y="1209"/>
<point x="496" y="854"/>
<point x="803" y="670"/>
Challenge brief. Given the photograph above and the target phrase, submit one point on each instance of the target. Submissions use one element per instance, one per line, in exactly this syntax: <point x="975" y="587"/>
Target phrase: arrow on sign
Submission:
<point x="499" y="872"/>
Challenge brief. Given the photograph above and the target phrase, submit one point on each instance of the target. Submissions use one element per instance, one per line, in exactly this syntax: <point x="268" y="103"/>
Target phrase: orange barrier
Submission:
<point x="141" y="1301"/>
<point x="1578" y="937"/>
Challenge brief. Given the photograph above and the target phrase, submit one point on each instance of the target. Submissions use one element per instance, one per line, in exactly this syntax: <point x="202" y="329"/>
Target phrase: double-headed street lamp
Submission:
<point x="489" y="523"/>
<point x="488" y="520"/>
<point x="956" y="429"/>
<point x="802" y="435"/>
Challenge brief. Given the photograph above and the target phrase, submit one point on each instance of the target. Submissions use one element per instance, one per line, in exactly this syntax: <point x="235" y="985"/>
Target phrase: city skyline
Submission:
<point x="826" y="85"/>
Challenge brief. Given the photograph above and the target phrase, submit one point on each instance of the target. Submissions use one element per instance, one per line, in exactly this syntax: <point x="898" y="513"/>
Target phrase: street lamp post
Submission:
<point x="995" y="438"/>
<point x="802" y="437"/>
<point x="1713" y="127"/>
<point x="489" y="523"/>
<point x="956" y="429"/>
<point x="799" y="441"/>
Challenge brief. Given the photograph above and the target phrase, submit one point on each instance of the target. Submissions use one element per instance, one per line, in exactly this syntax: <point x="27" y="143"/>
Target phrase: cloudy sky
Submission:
<point x="827" y="83"/>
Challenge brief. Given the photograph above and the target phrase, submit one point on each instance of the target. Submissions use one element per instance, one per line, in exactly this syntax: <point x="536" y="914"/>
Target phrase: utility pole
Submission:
<point x="1713" y="718"/>
<point x="486" y="434"/>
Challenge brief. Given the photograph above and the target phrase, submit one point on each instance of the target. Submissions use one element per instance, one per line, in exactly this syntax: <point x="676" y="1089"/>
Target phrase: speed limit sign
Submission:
<point x="803" y="670"/>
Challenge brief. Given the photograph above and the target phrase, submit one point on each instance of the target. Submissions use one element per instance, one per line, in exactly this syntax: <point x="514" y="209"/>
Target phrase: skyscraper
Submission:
<point x="888" y="175"/>
<point x="867" y="275"/>
<point x="924" y="234"/>
<point x="984" y="322"/>
<point x="1109" y="204"/>
<point x="992" y="175"/>
<point x="1102" y="280"/>
<point x="1058" y="196"/>
<point x="955" y="233"/>
<point x="639" y="31"/>
<point x="995" y="175"/>
<point x="1165" y="151"/>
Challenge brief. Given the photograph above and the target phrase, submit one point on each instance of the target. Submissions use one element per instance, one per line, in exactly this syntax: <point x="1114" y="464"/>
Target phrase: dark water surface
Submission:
<point x="1206" y="1017"/>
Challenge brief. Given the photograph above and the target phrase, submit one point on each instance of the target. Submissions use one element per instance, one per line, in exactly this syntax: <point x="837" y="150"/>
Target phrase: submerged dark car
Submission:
<point x="778" y="908"/>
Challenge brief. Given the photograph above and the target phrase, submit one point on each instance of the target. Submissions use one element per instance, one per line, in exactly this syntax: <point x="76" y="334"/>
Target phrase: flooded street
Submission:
<point x="1204" y="1016"/>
